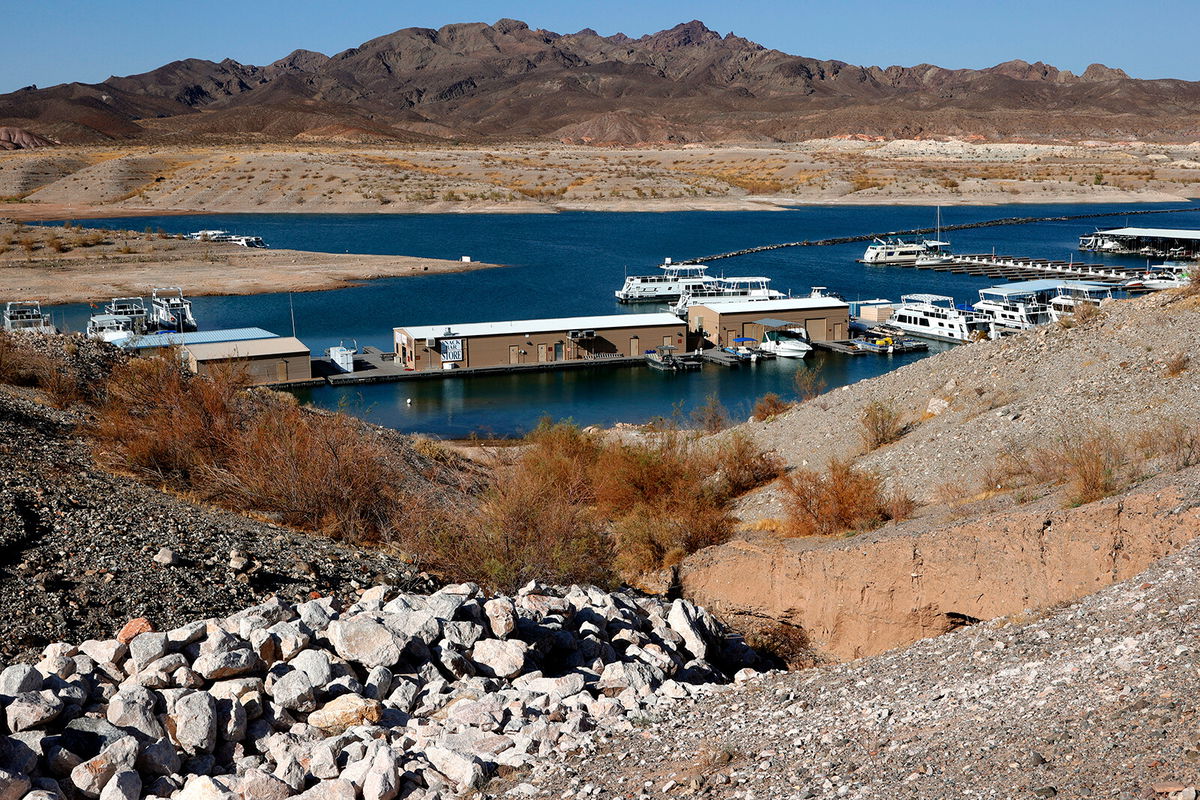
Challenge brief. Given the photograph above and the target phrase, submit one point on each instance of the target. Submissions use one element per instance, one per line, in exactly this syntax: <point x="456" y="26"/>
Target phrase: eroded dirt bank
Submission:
<point x="858" y="597"/>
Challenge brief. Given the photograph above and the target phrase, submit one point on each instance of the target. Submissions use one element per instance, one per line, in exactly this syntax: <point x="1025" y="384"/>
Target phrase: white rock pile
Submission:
<point x="397" y="695"/>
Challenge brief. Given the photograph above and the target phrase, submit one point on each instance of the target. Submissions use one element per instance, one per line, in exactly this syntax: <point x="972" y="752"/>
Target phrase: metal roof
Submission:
<point x="775" y="323"/>
<point x="1041" y="286"/>
<point x="782" y="304"/>
<point x="195" y="337"/>
<point x="248" y="348"/>
<point x="562" y="324"/>
<point x="1152" y="233"/>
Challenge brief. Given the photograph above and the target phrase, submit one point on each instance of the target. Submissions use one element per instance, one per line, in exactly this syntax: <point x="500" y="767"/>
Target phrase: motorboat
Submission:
<point x="110" y="327"/>
<point x="934" y="316"/>
<point x="663" y="358"/>
<point x="26" y="316"/>
<point x="132" y="307"/>
<point x="170" y="310"/>
<point x="786" y="343"/>
<point x="1159" y="277"/>
<point x="734" y="288"/>
<point x="670" y="284"/>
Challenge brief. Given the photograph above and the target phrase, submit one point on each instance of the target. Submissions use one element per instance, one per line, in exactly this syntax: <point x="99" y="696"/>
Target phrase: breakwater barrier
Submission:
<point x="990" y="223"/>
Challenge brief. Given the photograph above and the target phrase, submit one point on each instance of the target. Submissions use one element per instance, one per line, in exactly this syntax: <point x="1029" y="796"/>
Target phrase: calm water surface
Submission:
<point x="569" y="264"/>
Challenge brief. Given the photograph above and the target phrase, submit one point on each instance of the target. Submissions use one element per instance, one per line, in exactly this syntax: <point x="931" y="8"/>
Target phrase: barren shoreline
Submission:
<point x="84" y="272"/>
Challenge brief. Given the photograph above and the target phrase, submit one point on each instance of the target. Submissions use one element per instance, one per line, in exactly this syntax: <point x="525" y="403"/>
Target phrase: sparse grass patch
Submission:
<point x="881" y="425"/>
<point x="1176" y="365"/>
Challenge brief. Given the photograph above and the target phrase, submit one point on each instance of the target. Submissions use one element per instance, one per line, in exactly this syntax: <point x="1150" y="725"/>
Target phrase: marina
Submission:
<point x="600" y="250"/>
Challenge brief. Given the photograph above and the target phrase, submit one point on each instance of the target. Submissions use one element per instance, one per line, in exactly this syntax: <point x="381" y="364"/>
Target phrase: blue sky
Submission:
<point x="54" y="41"/>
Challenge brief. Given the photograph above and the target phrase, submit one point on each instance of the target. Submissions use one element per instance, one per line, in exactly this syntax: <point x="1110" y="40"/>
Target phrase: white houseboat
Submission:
<point x="132" y="307"/>
<point x="934" y="316"/>
<point x="170" y="310"/>
<point x="670" y="284"/>
<point x="25" y="316"/>
<point x="886" y="252"/>
<point x="110" y="327"/>
<point x="742" y="288"/>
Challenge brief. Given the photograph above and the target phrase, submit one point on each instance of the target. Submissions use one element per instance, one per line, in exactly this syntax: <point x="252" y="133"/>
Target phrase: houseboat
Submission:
<point x="742" y="288"/>
<point x="25" y="316"/>
<point x="1013" y="308"/>
<point x="899" y="252"/>
<point x="669" y="285"/>
<point x="227" y="237"/>
<point x="110" y="328"/>
<point x="132" y="307"/>
<point x="934" y="316"/>
<point x="1070" y="299"/>
<point x="170" y="310"/>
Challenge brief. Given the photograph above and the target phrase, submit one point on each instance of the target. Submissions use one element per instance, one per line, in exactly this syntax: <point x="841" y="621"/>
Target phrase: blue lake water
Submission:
<point x="569" y="264"/>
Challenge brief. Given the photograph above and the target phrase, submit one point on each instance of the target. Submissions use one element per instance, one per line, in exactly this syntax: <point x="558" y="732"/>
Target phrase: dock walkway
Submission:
<point x="1019" y="268"/>
<point x="374" y="366"/>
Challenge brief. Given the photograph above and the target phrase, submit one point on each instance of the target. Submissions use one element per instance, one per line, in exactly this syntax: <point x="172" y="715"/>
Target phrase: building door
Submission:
<point x="635" y="347"/>
<point x="281" y="371"/>
<point x="817" y="330"/>
<point x="558" y="351"/>
<point x="667" y="339"/>
<point x="514" y="354"/>
<point x="541" y="354"/>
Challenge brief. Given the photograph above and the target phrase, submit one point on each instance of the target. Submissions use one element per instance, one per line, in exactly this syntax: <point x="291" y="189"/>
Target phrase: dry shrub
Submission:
<point x="249" y="451"/>
<point x="808" y="384"/>
<point x="786" y="644"/>
<point x="1174" y="441"/>
<point x="711" y="417"/>
<point x="742" y="465"/>
<point x="840" y="500"/>
<point x="1093" y="466"/>
<point x="1085" y="311"/>
<point x="880" y="425"/>
<point x="21" y="365"/>
<point x="1176" y="365"/>
<point x="571" y="506"/>
<point x="769" y="406"/>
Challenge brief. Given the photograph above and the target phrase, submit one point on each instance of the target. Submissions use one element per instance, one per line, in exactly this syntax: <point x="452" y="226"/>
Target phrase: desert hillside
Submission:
<point x="476" y="82"/>
<point x="74" y="182"/>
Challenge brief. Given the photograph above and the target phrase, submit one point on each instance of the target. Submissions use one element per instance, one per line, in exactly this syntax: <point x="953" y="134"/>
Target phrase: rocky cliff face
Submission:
<point x="861" y="596"/>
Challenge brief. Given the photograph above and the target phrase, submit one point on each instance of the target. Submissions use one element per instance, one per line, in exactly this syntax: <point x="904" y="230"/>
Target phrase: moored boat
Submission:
<point x="674" y="280"/>
<point x="934" y="316"/>
<point x="786" y="343"/>
<point x="170" y="310"/>
<point x="26" y="316"/>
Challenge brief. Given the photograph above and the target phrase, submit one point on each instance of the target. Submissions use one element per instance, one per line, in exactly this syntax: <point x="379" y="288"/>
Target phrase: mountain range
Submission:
<point x="474" y="82"/>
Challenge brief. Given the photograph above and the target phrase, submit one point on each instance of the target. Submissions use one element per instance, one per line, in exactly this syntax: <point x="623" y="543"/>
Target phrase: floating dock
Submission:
<point x="375" y="366"/>
<point x="1020" y="268"/>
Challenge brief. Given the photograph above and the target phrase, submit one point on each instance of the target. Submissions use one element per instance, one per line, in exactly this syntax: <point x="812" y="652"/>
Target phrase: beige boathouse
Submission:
<point x="825" y="318"/>
<point x="282" y="359"/>
<point x="532" y="342"/>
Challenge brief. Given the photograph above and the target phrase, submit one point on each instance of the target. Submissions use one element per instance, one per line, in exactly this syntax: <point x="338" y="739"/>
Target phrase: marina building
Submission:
<point x="535" y="342"/>
<point x="824" y="318"/>
<point x="275" y="360"/>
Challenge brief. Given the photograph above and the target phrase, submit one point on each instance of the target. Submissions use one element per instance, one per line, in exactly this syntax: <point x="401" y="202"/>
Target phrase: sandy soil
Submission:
<point x="57" y="266"/>
<point x="62" y="183"/>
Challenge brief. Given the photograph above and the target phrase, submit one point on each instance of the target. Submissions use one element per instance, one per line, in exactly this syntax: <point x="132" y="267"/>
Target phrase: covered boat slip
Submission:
<point x="1176" y="242"/>
<point x="521" y="344"/>
<point x="823" y="318"/>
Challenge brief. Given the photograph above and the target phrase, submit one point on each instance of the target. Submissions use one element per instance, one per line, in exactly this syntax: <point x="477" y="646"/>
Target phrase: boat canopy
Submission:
<point x="777" y="323"/>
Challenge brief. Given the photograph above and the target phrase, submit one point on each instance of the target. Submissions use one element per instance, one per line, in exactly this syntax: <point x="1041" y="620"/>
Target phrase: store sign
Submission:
<point x="451" y="349"/>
